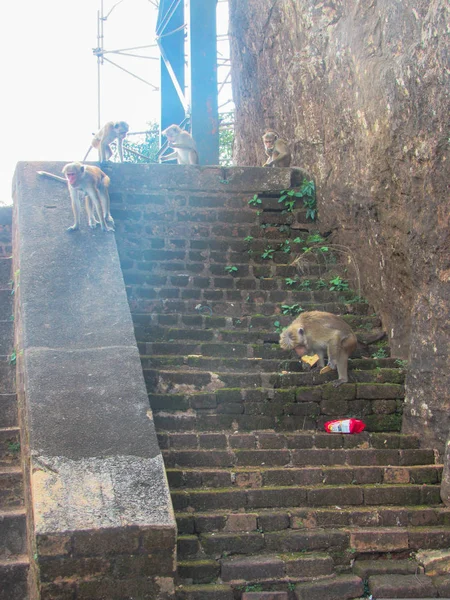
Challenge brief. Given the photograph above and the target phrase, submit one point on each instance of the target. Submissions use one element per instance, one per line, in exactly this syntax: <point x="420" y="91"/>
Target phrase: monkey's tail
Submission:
<point x="287" y="339"/>
<point x="87" y="153"/>
<point x="52" y="176"/>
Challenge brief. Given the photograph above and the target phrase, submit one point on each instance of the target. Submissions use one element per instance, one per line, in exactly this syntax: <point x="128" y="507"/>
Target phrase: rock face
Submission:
<point x="361" y="90"/>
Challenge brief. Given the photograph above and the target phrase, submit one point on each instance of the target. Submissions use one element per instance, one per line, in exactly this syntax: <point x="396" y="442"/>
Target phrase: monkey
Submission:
<point x="92" y="183"/>
<point x="184" y="145"/>
<point x="319" y="332"/>
<point x="277" y="150"/>
<point x="113" y="130"/>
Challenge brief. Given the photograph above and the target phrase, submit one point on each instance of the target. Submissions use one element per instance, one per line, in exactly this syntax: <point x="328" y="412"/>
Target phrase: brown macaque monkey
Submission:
<point x="317" y="332"/>
<point x="91" y="183"/>
<point x="277" y="150"/>
<point x="184" y="145"/>
<point x="113" y="130"/>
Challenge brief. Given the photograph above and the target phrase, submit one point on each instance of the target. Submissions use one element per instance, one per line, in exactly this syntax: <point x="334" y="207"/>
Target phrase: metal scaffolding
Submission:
<point x="186" y="45"/>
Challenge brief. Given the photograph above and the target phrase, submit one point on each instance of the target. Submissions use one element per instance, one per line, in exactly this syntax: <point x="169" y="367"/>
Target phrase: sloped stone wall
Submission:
<point x="361" y="90"/>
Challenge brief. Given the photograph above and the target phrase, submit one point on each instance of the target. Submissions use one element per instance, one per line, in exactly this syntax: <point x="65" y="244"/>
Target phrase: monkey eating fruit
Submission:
<point x="322" y="333"/>
<point x="184" y="145"/>
<point x="276" y="149"/>
<point x="91" y="183"/>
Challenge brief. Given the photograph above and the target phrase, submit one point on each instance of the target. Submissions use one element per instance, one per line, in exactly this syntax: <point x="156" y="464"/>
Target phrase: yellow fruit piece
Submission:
<point x="310" y="360"/>
<point x="326" y="369"/>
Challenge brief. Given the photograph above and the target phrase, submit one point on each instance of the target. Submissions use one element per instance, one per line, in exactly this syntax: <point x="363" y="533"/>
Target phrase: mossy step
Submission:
<point x="213" y="591"/>
<point x="261" y="477"/>
<point x="344" y="544"/>
<point x="213" y="378"/>
<point x="267" y="349"/>
<point x="355" y="457"/>
<point x="402" y="586"/>
<point x="307" y="518"/>
<point x="12" y="532"/>
<point x="272" y="440"/>
<point x="342" y="587"/>
<point x="184" y="422"/>
<point x="237" y="306"/>
<point x="9" y="446"/>
<point x="223" y="327"/>
<point x="200" y="500"/>
<point x="11" y="488"/>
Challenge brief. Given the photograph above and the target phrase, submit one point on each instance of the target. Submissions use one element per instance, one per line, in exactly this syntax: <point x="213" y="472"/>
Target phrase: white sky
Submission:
<point x="49" y="75"/>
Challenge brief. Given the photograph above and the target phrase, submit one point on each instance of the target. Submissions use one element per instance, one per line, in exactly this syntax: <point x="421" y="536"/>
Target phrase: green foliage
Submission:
<point x="298" y="240"/>
<point x="268" y="253"/>
<point x="13" y="447"/>
<point x="286" y="247"/>
<point x="146" y="144"/>
<point x="320" y="284"/>
<point x="226" y="139"/>
<point x="249" y="239"/>
<point x="307" y="191"/>
<point x="402" y="364"/>
<point x="314" y="238"/>
<point x="380" y="353"/>
<point x="231" y="269"/>
<point x="12" y="358"/>
<point x="305" y="285"/>
<point x="290" y="281"/>
<point x="255" y="201"/>
<point x="291" y="309"/>
<point x="338" y="284"/>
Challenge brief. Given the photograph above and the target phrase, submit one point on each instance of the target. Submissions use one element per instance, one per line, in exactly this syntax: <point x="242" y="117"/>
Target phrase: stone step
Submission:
<point x="263" y="477"/>
<point x="366" y="568"/>
<point x="271" y="440"/>
<point x="203" y="421"/>
<point x="249" y="329"/>
<point x="201" y="500"/>
<point x="204" y="592"/>
<point x="6" y="336"/>
<point x="13" y="535"/>
<point x="307" y="458"/>
<point x="8" y="411"/>
<point x="268" y="350"/>
<point x="6" y="302"/>
<point x="5" y="271"/>
<point x="307" y="518"/>
<point x="402" y="586"/>
<point x="238" y="305"/>
<point x="13" y="577"/>
<point x="7" y="376"/>
<point x="186" y="275"/>
<point x="244" y="364"/>
<point x="342" y="587"/>
<point x="9" y="446"/>
<point x="208" y="380"/>
<point x="11" y="488"/>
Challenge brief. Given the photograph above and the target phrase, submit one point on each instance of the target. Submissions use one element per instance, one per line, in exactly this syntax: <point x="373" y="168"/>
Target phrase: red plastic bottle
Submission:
<point x="345" y="426"/>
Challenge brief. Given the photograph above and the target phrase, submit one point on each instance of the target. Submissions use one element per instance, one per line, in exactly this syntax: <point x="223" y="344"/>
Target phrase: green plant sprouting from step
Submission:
<point x="380" y="353"/>
<point x="268" y="253"/>
<point x="291" y="309"/>
<point x="338" y="284"/>
<point x="307" y="191"/>
<point x="255" y="201"/>
<point x="231" y="269"/>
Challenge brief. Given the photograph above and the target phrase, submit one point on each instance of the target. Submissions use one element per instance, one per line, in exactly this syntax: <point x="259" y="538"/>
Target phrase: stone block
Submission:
<point x="435" y="562"/>
<point x="308" y="565"/>
<point x="343" y="587"/>
<point x="377" y="540"/>
<point x="241" y="522"/>
<point x="402" y="586"/>
<point x="264" y="596"/>
<point x="251" y="568"/>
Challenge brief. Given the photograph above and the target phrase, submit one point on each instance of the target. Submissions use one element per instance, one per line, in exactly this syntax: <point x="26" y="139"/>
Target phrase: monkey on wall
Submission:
<point x="91" y="183"/>
<point x="113" y="130"/>
<point x="277" y="150"/>
<point x="321" y="333"/>
<point x="184" y="145"/>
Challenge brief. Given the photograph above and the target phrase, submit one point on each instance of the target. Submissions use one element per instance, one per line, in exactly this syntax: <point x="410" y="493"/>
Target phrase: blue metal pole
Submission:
<point x="203" y="79"/>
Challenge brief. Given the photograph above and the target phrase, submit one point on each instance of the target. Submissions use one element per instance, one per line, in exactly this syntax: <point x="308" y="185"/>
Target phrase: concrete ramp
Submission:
<point x="100" y="515"/>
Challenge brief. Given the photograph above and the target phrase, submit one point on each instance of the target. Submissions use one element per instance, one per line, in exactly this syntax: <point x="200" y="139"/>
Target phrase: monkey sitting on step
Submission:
<point x="277" y="150"/>
<point x="317" y="332"/>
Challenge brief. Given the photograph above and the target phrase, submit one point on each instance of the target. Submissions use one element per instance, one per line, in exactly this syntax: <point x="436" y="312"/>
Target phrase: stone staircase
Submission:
<point x="268" y="505"/>
<point x="13" y="551"/>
